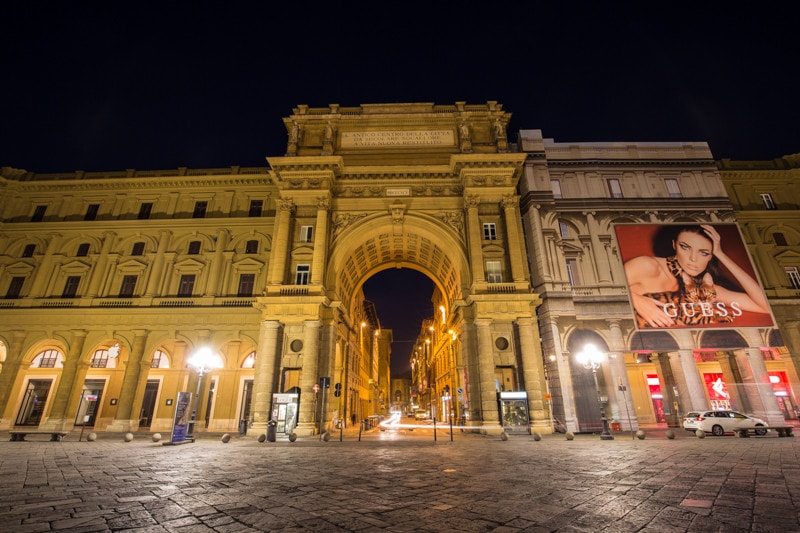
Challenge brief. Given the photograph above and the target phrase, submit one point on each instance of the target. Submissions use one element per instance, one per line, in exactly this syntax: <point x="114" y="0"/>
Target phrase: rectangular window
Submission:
<point x="256" y="207"/>
<point x="144" y="210"/>
<point x="138" y="248"/>
<point x="555" y="185"/>
<point x="15" y="288"/>
<point x="71" y="287"/>
<point x="251" y="247"/>
<point x="779" y="238"/>
<point x="83" y="249"/>
<point x="489" y="232"/>
<point x="614" y="188"/>
<point x="672" y="188"/>
<point x="768" y="202"/>
<point x="573" y="274"/>
<point x="38" y="213"/>
<point x="186" y="285"/>
<point x="28" y="251"/>
<point x="246" y="284"/>
<point x="494" y="273"/>
<point x="128" y="286"/>
<point x="194" y="248"/>
<point x="301" y="275"/>
<point x="563" y="228"/>
<point x="306" y="233"/>
<point x="91" y="212"/>
<point x="200" y="209"/>
<point x="794" y="277"/>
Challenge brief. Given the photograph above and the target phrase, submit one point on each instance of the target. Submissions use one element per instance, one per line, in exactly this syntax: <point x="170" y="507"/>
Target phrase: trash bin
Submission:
<point x="272" y="431"/>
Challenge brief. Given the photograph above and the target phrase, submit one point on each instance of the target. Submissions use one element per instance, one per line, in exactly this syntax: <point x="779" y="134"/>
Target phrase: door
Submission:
<point x="32" y="408"/>
<point x="88" y="407"/>
<point x="247" y="395"/>
<point x="148" y="403"/>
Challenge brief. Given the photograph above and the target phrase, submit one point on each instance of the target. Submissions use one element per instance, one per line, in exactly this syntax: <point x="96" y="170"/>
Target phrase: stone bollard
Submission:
<point x="262" y="437"/>
<point x="226" y="438"/>
<point x="91" y="437"/>
<point x="536" y="436"/>
<point x="670" y="434"/>
<point x="569" y="435"/>
<point x="640" y="435"/>
<point x="128" y="437"/>
<point x="292" y="436"/>
<point x="326" y="436"/>
<point x="503" y="435"/>
<point x="700" y="434"/>
<point x="156" y="437"/>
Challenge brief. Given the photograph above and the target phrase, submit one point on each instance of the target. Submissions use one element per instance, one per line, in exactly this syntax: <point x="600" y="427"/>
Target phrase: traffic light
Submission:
<point x="337" y="390"/>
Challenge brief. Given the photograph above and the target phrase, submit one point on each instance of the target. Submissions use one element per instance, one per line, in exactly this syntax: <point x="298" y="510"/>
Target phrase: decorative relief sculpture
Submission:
<point x="344" y="220"/>
<point x="285" y="204"/>
<point x="454" y="220"/>
<point x="327" y="139"/>
<point x="465" y="137"/>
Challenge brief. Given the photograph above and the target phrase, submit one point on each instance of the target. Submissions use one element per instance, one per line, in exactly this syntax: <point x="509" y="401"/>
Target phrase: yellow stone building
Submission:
<point x="111" y="281"/>
<point x="574" y="199"/>
<point x="766" y="199"/>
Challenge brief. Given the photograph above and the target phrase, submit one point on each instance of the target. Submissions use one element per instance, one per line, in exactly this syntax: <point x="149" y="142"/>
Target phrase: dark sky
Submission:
<point x="158" y="85"/>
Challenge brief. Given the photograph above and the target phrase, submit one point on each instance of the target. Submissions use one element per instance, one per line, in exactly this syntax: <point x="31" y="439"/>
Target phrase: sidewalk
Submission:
<point x="402" y="481"/>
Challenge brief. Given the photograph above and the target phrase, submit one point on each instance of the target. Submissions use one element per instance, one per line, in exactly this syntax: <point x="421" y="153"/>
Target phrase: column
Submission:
<point x="100" y="265"/>
<point x="694" y="383"/>
<point x="757" y="386"/>
<point x="280" y="242"/>
<point x="600" y="255"/>
<point x="533" y="372"/>
<point x="565" y="379"/>
<point x="264" y="378"/>
<point x="668" y="399"/>
<point x="156" y="278"/>
<point x="320" y="242"/>
<point x="623" y="407"/>
<point x="309" y="376"/>
<point x="217" y="264"/>
<point x="45" y="270"/>
<point x="474" y="240"/>
<point x="488" y="392"/>
<point x="68" y="384"/>
<point x="538" y="236"/>
<point x="733" y="382"/>
<point x="514" y="242"/>
<point x="125" y="419"/>
<point x="11" y="369"/>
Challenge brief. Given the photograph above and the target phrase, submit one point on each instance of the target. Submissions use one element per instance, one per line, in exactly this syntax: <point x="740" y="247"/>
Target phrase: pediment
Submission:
<point x="19" y="268"/>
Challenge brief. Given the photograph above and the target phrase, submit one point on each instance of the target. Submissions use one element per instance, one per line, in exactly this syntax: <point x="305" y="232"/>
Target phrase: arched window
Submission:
<point x="48" y="359"/>
<point x="101" y="359"/>
<point x="160" y="360"/>
<point x="249" y="361"/>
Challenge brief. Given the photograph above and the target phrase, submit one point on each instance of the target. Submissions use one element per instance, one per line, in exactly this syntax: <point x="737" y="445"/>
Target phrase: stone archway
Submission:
<point x="418" y="185"/>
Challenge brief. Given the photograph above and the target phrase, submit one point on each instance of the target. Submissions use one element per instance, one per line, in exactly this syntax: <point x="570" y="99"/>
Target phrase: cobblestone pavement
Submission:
<point x="402" y="481"/>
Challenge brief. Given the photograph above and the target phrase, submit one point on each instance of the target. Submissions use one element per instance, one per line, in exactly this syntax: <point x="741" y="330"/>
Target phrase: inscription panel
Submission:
<point x="400" y="139"/>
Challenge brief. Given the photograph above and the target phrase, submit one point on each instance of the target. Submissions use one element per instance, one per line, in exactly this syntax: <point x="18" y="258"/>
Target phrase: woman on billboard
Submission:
<point x="688" y="288"/>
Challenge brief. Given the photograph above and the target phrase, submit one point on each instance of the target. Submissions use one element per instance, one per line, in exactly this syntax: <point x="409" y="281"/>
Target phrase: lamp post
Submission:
<point x="203" y="361"/>
<point x="591" y="358"/>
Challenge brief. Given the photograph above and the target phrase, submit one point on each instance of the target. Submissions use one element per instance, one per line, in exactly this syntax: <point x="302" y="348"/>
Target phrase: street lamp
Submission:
<point x="203" y="361"/>
<point x="591" y="357"/>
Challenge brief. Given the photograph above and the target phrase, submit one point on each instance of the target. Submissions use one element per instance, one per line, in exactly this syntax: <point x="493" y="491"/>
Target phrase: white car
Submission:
<point x="720" y="422"/>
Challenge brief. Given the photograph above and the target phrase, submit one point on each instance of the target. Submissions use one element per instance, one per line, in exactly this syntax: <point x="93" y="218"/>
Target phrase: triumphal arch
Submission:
<point x="420" y="186"/>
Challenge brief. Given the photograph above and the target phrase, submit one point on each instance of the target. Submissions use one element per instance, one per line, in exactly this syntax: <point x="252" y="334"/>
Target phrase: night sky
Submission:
<point x="116" y="85"/>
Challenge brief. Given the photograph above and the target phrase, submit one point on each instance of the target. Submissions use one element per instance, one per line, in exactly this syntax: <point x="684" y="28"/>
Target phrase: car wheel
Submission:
<point x="717" y="431"/>
<point x="760" y="431"/>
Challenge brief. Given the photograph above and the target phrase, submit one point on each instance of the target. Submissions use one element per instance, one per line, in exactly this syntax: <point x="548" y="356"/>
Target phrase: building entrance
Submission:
<point x="419" y="186"/>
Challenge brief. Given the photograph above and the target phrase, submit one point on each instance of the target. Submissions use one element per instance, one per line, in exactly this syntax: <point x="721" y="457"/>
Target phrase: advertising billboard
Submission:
<point x="691" y="276"/>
